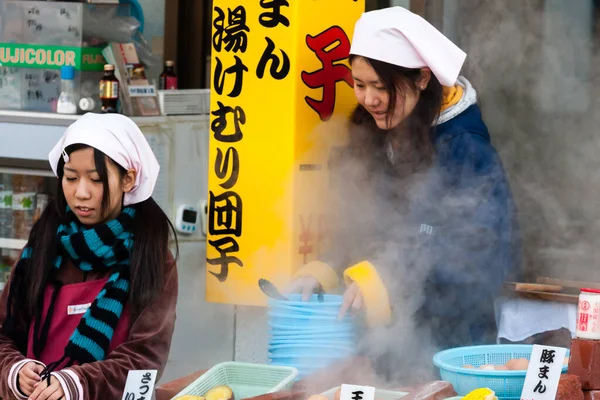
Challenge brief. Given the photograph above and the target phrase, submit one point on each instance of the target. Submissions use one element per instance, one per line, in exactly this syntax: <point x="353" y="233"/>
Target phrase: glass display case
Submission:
<point x="24" y="194"/>
<point x="38" y="38"/>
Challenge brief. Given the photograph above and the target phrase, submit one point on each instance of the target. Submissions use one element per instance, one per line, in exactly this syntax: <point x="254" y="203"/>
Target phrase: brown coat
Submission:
<point x="147" y="346"/>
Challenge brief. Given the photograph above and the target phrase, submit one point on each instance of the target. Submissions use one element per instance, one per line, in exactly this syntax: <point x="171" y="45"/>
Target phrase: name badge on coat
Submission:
<point x="77" y="309"/>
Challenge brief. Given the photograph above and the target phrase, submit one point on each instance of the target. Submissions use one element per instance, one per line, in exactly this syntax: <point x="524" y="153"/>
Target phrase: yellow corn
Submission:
<point x="481" y="394"/>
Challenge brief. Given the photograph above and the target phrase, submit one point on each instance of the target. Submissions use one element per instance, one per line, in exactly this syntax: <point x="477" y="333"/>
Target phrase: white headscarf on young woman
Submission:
<point x="119" y="138"/>
<point x="400" y="37"/>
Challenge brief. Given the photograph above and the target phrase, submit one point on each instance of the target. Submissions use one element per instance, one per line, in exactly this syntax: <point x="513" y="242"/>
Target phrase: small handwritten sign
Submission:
<point x="140" y="385"/>
<point x="543" y="374"/>
<point x="354" y="392"/>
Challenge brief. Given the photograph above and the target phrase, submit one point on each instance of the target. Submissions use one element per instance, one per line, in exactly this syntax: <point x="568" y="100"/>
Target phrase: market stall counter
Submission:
<point x="322" y="386"/>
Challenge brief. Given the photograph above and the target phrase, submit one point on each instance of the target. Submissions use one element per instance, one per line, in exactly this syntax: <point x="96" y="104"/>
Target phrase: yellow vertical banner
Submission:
<point x="281" y="92"/>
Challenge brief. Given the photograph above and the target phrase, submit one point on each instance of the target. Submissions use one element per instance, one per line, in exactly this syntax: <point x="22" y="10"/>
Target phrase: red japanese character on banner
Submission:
<point x="305" y="247"/>
<point x="330" y="74"/>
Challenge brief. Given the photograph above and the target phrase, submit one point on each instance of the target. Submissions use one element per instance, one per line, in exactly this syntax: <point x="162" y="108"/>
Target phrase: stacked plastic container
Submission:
<point x="308" y="335"/>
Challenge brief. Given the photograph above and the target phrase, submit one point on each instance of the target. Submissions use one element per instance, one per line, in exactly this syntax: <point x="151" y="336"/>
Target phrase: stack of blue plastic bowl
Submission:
<point x="307" y="335"/>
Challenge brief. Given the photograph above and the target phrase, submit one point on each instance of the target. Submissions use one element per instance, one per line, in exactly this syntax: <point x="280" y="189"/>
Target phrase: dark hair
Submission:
<point x="369" y="143"/>
<point x="152" y="230"/>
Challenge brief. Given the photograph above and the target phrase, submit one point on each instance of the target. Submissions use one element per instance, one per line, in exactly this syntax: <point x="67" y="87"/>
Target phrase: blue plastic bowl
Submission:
<point x="311" y="350"/>
<point x="321" y="317"/>
<point x="339" y="329"/>
<point x="508" y="385"/>
<point x="305" y="311"/>
<point x="309" y="321"/>
<point x="308" y="335"/>
<point x="329" y="301"/>
<point x="310" y="326"/>
<point x="314" y="334"/>
<point x="312" y="340"/>
<point x="349" y="341"/>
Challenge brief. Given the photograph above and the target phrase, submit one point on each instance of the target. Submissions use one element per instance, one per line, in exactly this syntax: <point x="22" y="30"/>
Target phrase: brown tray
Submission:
<point x="531" y="294"/>
<point x="549" y="289"/>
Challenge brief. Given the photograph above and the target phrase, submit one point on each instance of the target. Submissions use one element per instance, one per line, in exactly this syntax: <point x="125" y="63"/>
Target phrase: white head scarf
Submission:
<point x="120" y="139"/>
<point x="397" y="36"/>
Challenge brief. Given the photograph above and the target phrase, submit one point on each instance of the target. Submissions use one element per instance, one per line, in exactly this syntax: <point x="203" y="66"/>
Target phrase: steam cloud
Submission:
<point x="531" y="63"/>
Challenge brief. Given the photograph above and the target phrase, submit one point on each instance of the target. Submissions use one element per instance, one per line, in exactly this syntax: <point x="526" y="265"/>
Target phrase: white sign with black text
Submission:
<point x="140" y="385"/>
<point x="543" y="374"/>
<point x="142" y="91"/>
<point x="354" y="392"/>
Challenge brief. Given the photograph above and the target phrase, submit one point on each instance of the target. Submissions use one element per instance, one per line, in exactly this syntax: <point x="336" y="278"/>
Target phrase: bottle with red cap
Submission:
<point x="588" y="314"/>
<point x="168" y="78"/>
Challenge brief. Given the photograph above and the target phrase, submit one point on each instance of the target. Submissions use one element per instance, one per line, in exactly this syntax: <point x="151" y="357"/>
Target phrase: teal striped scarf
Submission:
<point x="107" y="246"/>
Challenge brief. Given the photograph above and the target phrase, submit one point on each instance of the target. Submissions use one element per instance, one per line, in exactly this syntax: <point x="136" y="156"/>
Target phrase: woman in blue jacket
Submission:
<point x="438" y="226"/>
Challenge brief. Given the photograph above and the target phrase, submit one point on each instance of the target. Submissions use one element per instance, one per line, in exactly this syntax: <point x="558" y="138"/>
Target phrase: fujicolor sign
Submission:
<point x="50" y="57"/>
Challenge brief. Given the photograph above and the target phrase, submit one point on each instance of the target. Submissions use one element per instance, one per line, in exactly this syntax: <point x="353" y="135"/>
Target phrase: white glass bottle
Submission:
<point x="588" y="314"/>
<point x="67" y="101"/>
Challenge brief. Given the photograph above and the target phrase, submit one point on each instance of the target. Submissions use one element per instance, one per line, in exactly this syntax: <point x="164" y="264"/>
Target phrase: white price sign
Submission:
<point x="140" y="385"/>
<point x="543" y="374"/>
<point x="354" y="392"/>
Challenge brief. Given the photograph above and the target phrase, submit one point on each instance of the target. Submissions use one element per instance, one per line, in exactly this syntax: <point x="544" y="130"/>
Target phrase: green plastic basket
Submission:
<point x="245" y="379"/>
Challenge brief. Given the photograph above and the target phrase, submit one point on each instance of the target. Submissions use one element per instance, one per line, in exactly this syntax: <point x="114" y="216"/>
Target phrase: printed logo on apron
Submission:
<point x="427" y="229"/>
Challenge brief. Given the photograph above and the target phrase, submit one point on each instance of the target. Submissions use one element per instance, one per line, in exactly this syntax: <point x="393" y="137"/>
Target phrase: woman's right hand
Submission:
<point x="305" y="285"/>
<point x="29" y="375"/>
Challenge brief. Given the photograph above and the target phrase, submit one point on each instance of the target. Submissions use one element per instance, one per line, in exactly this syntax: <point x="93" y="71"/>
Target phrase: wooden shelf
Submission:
<point x="13" y="244"/>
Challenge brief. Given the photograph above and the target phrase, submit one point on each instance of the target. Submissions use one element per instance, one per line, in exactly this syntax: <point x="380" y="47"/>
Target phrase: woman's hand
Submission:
<point x="353" y="299"/>
<point x="43" y="391"/>
<point x="29" y="375"/>
<point x="305" y="285"/>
